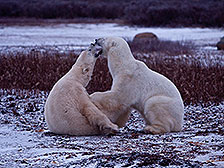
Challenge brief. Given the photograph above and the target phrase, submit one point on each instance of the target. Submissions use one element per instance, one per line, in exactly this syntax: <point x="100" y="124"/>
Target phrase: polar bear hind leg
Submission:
<point x="161" y="115"/>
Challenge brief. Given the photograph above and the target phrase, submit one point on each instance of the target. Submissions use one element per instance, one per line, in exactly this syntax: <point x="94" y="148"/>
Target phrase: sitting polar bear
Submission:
<point x="68" y="109"/>
<point x="136" y="86"/>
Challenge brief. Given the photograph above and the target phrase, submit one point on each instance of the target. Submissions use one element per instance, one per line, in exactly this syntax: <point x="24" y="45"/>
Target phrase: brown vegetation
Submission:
<point x="34" y="70"/>
<point x="40" y="70"/>
<point x="166" y="47"/>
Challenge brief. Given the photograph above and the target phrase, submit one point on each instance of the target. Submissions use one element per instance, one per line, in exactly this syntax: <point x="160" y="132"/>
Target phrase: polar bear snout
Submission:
<point x="98" y="53"/>
<point x="95" y="50"/>
<point x="98" y="45"/>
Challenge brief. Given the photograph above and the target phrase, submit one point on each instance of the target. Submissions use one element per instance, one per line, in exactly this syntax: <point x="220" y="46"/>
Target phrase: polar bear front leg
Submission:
<point x="96" y="117"/>
<point x="108" y="102"/>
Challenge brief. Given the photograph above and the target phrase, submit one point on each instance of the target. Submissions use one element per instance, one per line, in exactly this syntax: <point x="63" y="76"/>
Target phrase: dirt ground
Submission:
<point x="26" y="142"/>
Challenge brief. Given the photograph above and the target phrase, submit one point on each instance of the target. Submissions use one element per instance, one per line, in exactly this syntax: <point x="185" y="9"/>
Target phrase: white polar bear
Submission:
<point x="136" y="86"/>
<point x="69" y="110"/>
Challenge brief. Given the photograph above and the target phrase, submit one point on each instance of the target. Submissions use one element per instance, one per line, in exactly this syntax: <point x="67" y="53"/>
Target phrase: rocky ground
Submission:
<point x="26" y="142"/>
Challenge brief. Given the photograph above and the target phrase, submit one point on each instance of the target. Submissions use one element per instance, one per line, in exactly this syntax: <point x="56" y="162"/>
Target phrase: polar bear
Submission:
<point x="68" y="109"/>
<point x="135" y="86"/>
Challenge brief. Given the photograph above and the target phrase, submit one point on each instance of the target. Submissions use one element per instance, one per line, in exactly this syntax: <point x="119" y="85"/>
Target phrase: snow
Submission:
<point x="29" y="143"/>
<point x="80" y="35"/>
<point x="206" y="158"/>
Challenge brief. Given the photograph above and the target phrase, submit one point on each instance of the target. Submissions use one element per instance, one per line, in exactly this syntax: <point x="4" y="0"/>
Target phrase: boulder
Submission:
<point x="220" y="44"/>
<point x="145" y="36"/>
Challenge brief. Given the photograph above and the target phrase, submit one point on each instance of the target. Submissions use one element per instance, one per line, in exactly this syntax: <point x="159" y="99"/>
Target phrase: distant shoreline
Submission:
<point x="20" y="21"/>
<point x="42" y="22"/>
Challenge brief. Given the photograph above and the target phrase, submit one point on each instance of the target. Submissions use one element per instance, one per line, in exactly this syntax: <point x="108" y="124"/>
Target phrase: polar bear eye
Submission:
<point x="85" y="70"/>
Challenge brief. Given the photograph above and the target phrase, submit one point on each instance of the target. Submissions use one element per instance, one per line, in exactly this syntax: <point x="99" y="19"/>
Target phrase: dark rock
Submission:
<point x="220" y="44"/>
<point x="145" y="36"/>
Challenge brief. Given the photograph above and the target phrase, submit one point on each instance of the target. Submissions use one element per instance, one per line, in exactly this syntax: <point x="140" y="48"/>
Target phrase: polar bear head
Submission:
<point x="117" y="52"/>
<point x="86" y="61"/>
<point x="113" y="44"/>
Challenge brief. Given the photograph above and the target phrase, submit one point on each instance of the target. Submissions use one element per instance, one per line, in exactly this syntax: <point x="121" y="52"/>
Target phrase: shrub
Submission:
<point x="35" y="70"/>
<point x="171" y="48"/>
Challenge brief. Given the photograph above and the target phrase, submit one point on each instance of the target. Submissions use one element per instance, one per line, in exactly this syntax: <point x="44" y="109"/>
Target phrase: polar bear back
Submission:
<point x="143" y="83"/>
<point x="63" y="109"/>
<point x="152" y="78"/>
<point x="67" y="98"/>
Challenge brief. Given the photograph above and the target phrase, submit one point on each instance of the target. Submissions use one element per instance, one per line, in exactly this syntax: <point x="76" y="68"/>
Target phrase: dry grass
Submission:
<point x="171" y="48"/>
<point x="36" y="70"/>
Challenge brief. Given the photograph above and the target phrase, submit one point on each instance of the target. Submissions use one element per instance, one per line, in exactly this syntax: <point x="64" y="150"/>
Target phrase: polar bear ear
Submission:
<point x="85" y="70"/>
<point x="113" y="44"/>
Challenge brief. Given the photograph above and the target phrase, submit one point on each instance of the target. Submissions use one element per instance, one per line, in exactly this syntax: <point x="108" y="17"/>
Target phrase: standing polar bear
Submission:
<point x="136" y="86"/>
<point x="68" y="109"/>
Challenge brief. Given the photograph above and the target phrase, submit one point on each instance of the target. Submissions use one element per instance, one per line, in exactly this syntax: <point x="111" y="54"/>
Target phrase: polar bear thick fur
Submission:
<point x="136" y="86"/>
<point x="68" y="109"/>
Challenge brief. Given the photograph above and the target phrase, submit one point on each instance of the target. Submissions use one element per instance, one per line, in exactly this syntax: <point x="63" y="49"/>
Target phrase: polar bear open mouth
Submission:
<point x="98" y="49"/>
<point x="100" y="52"/>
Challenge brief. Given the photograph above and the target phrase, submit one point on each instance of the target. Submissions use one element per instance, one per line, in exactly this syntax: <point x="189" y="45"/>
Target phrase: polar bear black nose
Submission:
<point x="96" y="41"/>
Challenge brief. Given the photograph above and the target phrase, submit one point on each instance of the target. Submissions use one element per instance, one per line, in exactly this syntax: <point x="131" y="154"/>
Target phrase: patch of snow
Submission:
<point x="79" y="35"/>
<point x="210" y="158"/>
<point x="22" y="143"/>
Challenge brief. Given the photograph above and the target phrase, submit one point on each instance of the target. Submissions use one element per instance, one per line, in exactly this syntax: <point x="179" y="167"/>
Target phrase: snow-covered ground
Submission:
<point x="80" y="35"/>
<point x="26" y="142"/>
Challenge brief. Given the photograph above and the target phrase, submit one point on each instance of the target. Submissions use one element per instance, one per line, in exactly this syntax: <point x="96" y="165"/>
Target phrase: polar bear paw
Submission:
<point x="154" y="129"/>
<point x="108" y="128"/>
